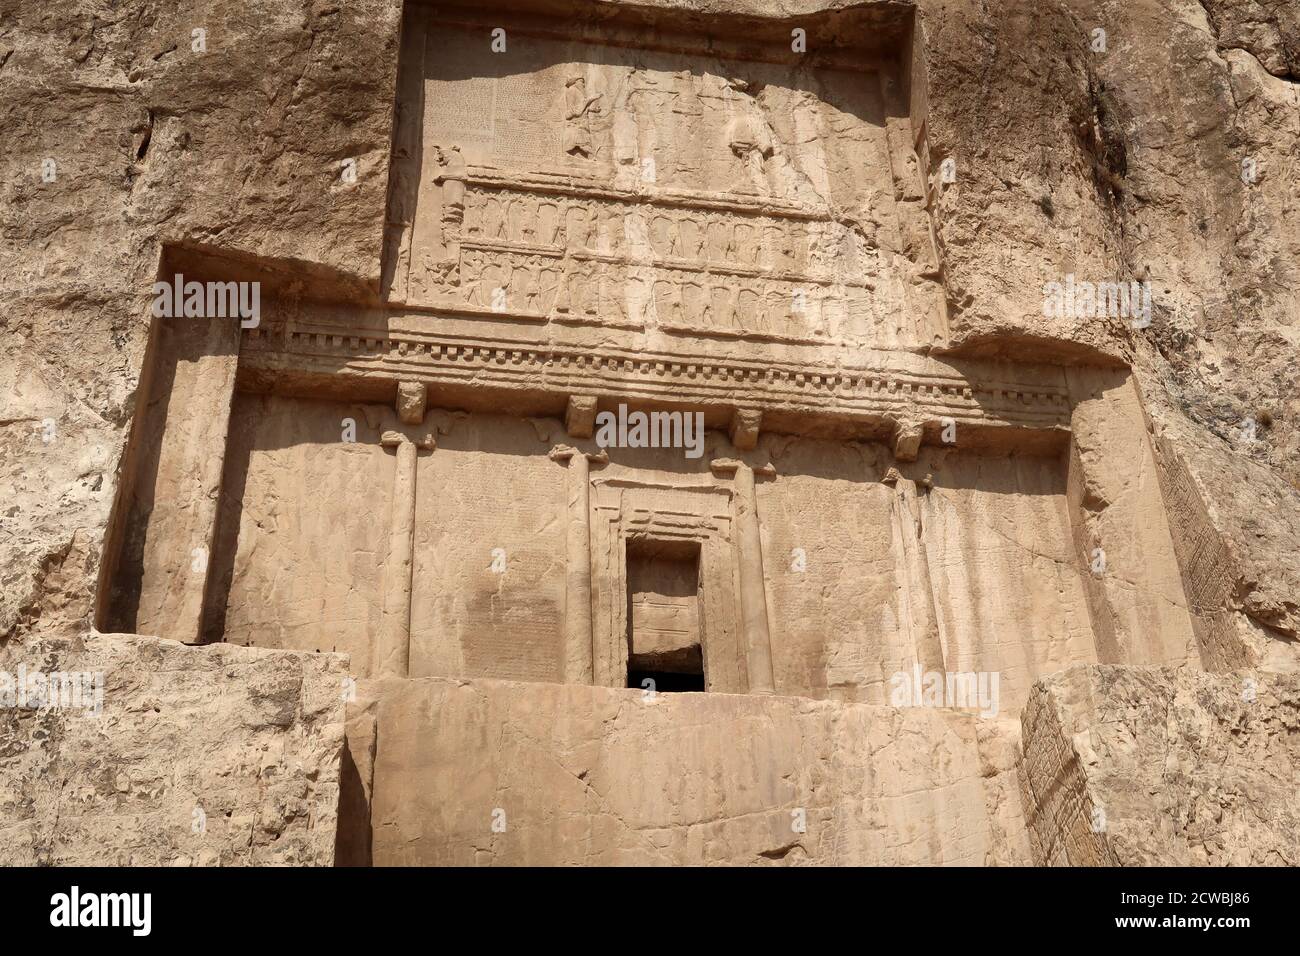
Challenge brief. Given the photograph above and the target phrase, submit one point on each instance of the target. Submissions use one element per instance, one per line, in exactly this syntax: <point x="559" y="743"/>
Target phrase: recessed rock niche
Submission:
<point x="674" y="214"/>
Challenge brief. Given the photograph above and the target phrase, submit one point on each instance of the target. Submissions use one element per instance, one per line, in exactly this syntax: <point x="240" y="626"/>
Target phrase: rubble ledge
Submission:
<point x="125" y="750"/>
<point x="121" y="749"/>
<point x="1161" y="766"/>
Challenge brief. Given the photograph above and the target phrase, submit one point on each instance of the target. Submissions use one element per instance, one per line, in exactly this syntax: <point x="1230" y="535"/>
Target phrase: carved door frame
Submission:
<point x="622" y="510"/>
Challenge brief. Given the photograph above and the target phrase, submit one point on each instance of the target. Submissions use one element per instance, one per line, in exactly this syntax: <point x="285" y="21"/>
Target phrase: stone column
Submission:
<point x="578" y="647"/>
<point x="916" y="573"/>
<point x="753" y="596"/>
<point x="394" y="651"/>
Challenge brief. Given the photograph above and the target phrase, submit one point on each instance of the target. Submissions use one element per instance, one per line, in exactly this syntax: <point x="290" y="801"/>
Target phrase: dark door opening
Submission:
<point x="663" y="616"/>
<point x="666" y="682"/>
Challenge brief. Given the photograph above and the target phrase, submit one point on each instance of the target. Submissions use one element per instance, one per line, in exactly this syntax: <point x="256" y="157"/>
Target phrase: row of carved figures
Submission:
<point x="692" y="235"/>
<point x="538" y="285"/>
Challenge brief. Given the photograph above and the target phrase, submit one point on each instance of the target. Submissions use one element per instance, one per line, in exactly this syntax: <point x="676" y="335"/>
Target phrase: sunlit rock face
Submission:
<point x="721" y="393"/>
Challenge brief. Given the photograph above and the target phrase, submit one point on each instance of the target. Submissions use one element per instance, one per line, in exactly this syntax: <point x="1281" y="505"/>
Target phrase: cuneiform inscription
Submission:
<point x="1208" y="576"/>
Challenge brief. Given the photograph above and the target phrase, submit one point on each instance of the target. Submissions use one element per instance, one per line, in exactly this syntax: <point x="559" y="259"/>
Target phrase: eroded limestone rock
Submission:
<point x="837" y="260"/>
<point x="1135" y="766"/>
<point x="170" y="755"/>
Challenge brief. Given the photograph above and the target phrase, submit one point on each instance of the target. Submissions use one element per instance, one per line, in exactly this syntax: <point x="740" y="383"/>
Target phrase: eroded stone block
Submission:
<point x="907" y="441"/>
<point x="170" y="755"/>
<point x="412" y="399"/>
<point x="565" y="774"/>
<point x="744" y="428"/>
<point x="1162" y="766"/>
<point x="580" y="416"/>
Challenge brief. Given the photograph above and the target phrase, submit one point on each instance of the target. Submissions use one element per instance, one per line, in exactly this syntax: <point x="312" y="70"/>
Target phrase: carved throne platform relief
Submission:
<point x="651" y="215"/>
<point x="654" y="189"/>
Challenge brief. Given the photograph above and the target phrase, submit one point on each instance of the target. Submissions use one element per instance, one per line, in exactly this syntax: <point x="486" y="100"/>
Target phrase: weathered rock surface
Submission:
<point x="208" y="756"/>
<point x="235" y="150"/>
<point x="488" y="772"/>
<point x="1134" y="766"/>
<point x="1143" y="139"/>
<point x="1130" y="162"/>
<point x="1125" y="161"/>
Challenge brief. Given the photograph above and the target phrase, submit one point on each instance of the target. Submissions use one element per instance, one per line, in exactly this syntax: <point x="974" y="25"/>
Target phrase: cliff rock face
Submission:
<point x="465" y="252"/>
<point x="1156" y="767"/>
<point x="233" y="144"/>
<point x="1168" y="156"/>
<point x="120" y="750"/>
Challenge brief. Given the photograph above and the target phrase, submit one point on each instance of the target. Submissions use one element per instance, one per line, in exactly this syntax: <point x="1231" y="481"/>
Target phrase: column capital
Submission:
<point x="566" y="453"/>
<point x="412" y="401"/>
<point x="908" y="436"/>
<point x="392" y="439"/>
<point x="580" y="416"/>
<point x="745" y="425"/>
<point x="734" y="466"/>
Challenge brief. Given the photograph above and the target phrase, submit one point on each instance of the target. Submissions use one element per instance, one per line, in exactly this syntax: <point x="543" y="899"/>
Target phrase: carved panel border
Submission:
<point x="623" y="509"/>
<point x="666" y="377"/>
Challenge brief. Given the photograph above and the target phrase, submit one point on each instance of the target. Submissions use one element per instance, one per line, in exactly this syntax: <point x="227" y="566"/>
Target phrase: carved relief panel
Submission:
<point x="646" y="189"/>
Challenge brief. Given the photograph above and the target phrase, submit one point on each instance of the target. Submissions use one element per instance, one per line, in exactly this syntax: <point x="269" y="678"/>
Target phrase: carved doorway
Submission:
<point x="664" y="642"/>
<point x="663" y="576"/>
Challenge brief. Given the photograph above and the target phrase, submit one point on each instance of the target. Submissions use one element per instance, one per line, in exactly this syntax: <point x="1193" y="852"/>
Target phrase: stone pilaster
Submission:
<point x="749" y="557"/>
<point x="578" y="647"/>
<point x="394" y="650"/>
<point x="915" y="570"/>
